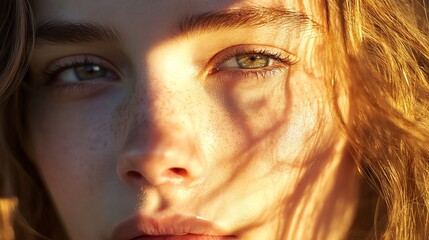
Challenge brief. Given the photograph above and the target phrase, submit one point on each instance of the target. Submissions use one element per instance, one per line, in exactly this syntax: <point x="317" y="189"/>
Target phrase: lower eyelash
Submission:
<point x="263" y="73"/>
<point x="76" y="89"/>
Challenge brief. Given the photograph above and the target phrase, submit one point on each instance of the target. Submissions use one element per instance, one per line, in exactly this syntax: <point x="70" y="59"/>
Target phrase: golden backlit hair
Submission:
<point x="384" y="55"/>
<point x="376" y="50"/>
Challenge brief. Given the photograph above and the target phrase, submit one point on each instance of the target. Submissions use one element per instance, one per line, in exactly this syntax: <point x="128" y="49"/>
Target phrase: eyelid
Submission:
<point x="61" y="64"/>
<point x="277" y="54"/>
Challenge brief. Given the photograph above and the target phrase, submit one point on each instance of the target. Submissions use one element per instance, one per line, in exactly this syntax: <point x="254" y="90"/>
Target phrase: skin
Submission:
<point x="174" y="127"/>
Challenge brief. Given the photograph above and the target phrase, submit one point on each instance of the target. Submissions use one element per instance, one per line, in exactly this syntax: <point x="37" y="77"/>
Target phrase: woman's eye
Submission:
<point x="84" y="72"/>
<point x="248" y="61"/>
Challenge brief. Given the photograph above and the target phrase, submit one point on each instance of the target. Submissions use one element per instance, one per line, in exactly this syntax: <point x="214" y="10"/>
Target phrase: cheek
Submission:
<point x="283" y="128"/>
<point x="284" y="119"/>
<point x="72" y="144"/>
<point x="74" y="147"/>
<point x="309" y="123"/>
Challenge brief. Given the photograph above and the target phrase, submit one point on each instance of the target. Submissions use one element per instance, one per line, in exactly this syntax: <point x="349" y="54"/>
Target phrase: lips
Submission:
<point x="185" y="237"/>
<point x="171" y="227"/>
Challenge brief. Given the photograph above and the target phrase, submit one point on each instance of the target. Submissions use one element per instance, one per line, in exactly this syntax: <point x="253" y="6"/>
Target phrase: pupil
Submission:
<point x="89" y="72"/>
<point x="253" y="58"/>
<point x="91" y="69"/>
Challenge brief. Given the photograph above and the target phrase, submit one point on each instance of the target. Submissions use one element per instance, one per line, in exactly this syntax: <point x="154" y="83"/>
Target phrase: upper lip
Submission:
<point x="177" y="224"/>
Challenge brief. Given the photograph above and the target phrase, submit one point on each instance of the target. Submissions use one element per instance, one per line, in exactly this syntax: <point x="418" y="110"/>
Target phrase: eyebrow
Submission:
<point x="248" y="17"/>
<point x="58" y="31"/>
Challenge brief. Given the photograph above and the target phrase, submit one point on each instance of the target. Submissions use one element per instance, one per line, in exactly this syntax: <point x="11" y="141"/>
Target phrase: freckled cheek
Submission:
<point x="246" y="113"/>
<point x="282" y="115"/>
<point x="217" y="132"/>
<point x="71" y="143"/>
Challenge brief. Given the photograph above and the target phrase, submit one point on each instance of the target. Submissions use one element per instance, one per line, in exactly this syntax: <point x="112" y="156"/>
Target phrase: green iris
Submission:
<point x="250" y="61"/>
<point x="87" y="72"/>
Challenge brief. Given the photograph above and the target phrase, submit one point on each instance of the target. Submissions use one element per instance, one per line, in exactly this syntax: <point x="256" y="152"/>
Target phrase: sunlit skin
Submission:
<point x="228" y="124"/>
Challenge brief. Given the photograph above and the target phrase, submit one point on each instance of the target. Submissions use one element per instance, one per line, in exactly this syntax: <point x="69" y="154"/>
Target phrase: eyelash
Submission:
<point x="279" y="58"/>
<point x="59" y="67"/>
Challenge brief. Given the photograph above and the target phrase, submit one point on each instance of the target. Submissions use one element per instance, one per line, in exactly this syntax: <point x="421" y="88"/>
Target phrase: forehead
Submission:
<point x="140" y="25"/>
<point x="156" y="12"/>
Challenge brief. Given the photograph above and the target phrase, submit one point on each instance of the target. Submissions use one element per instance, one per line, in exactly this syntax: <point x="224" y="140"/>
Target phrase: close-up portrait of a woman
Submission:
<point x="214" y="119"/>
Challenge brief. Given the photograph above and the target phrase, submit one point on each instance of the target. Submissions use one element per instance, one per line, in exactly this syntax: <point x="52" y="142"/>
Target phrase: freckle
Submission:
<point x="121" y="116"/>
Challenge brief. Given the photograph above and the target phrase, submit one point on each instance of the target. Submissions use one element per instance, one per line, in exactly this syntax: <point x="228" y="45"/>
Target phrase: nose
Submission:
<point x="161" y="156"/>
<point x="163" y="142"/>
<point x="160" y="152"/>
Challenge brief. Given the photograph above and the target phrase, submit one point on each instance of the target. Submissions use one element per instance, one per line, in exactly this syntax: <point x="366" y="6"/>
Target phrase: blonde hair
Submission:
<point x="385" y="58"/>
<point x="377" y="50"/>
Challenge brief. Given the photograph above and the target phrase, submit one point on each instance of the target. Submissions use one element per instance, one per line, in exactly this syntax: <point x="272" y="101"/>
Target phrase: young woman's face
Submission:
<point x="193" y="117"/>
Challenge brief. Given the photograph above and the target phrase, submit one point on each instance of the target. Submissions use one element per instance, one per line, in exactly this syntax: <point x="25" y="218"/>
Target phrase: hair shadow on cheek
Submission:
<point x="294" y="207"/>
<point x="319" y="174"/>
<point x="310" y="164"/>
<point x="237" y="114"/>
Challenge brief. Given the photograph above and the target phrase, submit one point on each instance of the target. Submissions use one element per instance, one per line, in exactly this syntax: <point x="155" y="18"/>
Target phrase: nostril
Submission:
<point x="134" y="178"/>
<point x="179" y="172"/>
<point x="175" y="174"/>
<point x="134" y="175"/>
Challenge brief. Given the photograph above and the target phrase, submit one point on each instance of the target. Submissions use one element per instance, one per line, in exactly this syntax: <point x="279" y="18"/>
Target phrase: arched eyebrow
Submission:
<point x="247" y="17"/>
<point x="59" y="31"/>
